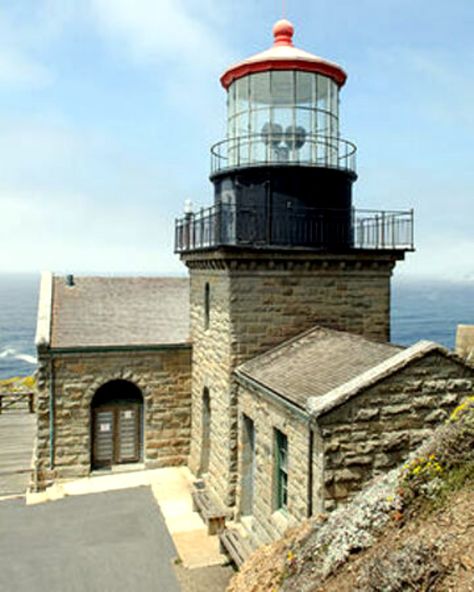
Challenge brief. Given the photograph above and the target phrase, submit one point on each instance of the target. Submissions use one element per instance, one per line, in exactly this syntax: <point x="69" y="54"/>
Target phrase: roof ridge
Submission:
<point x="273" y="352"/>
<point x="317" y="406"/>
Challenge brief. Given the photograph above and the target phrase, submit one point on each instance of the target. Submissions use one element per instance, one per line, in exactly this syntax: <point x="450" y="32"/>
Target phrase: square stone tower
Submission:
<point x="282" y="248"/>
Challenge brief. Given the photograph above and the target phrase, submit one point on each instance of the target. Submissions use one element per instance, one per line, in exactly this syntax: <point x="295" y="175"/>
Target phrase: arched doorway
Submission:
<point x="116" y="412"/>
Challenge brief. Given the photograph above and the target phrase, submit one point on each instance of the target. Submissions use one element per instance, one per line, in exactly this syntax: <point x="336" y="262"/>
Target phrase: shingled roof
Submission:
<point x="119" y="311"/>
<point x="315" y="363"/>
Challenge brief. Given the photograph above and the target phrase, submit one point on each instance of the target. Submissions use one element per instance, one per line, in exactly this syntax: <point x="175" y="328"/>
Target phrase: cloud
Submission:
<point x="436" y="259"/>
<point x="21" y="40"/>
<point x="433" y="82"/>
<point x="72" y="199"/>
<point x="73" y="232"/>
<point x="167" y="31"/>
<point x="180" y="41"/>
<point x="17" y="71"/>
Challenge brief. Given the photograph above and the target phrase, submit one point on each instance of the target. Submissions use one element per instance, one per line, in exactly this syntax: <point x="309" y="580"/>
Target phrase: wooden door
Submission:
<point x="116" y="435"/>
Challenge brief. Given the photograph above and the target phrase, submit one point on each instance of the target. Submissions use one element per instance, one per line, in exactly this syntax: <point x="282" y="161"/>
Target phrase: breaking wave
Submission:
<point x="12" y="353"/>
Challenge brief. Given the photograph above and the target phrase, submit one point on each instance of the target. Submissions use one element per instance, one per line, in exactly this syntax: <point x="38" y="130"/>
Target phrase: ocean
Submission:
<point x="420" y="310"/>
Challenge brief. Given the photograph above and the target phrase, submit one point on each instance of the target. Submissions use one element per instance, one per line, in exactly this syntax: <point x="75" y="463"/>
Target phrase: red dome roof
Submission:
<point x="283" y="56"/>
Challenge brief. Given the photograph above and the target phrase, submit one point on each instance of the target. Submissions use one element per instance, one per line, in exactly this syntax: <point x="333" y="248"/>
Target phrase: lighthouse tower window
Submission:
<point x="207" y="304"/>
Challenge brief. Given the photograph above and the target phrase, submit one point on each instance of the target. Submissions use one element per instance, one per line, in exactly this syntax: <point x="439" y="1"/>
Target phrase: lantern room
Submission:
<point x="283" y="108"/>
<point x="283" y="175"/>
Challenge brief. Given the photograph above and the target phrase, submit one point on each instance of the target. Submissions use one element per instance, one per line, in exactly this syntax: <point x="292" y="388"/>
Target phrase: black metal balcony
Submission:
<point x="255" y="227"/>
<point x="282" y="150"/>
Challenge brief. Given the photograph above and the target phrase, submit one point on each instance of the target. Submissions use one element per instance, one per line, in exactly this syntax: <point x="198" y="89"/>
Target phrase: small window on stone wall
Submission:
<point x="207" y="305"/>
<point x="281" y="470"/>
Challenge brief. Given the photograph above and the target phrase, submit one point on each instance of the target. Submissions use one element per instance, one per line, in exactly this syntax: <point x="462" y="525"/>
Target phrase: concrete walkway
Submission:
<point x="171" y="488"/>
<point x="17" y="432"/>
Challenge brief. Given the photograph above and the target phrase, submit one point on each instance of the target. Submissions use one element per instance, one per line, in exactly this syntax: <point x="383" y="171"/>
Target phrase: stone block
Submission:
<point x="366" y="414"/>
<point x="394" y="441"/>
<point x="436" y="416"/>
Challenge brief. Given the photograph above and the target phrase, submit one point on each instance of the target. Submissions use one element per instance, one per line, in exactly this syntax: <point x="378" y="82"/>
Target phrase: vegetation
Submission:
<point x="428" y="480"/>
<point x="18" y="384"/>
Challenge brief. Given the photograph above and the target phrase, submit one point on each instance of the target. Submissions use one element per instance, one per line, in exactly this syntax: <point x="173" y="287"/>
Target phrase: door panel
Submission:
<point x="128" y="429"/>
<point x="104" y="437"/>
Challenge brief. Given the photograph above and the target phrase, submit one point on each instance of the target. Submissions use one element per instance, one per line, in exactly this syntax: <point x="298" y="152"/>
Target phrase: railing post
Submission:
<point x="1" y="402"/>
<point x="201" y="231"/>
<point x="382" y="231"/>
<point x="187" y="231"/>
<point x="218" y="225"/>
<point x="412" y="229"/>
<point x="31" y="402"/>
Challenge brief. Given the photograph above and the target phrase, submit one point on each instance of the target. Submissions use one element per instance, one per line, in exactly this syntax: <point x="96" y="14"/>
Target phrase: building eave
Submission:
<point x="270" y="395"/>
<point x="98" y="349"/>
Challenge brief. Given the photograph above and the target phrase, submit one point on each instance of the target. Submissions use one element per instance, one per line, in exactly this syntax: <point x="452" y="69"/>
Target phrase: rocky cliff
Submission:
<point x="412" y="529"/>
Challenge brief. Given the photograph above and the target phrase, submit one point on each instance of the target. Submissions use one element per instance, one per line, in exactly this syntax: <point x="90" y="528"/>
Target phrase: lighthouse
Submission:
<point x="283" y="174"/>
<point x="282" y="248"/>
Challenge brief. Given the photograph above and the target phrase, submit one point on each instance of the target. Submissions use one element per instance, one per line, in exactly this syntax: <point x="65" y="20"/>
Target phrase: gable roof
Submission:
<point x="119" y="311"/>
<point x="318" y="406"/>
<point x="315" y="363"/>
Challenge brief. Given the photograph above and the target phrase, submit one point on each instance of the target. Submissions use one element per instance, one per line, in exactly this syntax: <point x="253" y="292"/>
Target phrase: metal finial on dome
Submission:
<point x="283" y="32"/>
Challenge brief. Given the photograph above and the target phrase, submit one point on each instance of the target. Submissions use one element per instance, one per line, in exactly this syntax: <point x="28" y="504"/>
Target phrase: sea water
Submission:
<point x="18" y="307"/>
<point x="420" y="310"/>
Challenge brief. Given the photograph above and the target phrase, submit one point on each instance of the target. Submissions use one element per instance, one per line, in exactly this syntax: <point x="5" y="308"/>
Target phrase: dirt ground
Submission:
<point x="207" y="579"/>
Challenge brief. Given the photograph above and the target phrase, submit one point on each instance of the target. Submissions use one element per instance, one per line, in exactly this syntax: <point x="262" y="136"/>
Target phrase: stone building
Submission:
<point x="114" y="374"/>
<point x="311" y="437"/>
<point x="269" y="372"/>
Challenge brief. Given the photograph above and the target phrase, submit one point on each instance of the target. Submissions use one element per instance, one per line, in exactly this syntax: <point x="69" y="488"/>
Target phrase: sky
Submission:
<point x="108" y="109"/>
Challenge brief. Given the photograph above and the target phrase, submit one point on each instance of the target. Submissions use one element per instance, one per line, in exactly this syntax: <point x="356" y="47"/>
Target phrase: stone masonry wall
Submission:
<point x="212" y="367"/>
<point x="377" y="430"/>
<point x="164" y="378"/>
<point x="266" y="524"/>
<point x="259" y="300"/>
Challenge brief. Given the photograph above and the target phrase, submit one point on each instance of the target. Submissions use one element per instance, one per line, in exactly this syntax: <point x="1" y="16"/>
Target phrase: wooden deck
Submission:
<point x="17" y="431"/>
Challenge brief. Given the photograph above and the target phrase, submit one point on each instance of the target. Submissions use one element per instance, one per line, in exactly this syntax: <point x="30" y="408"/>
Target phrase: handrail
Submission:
<point x="226" y="224"/>
<point x="15" y="398"/>
<point x="273" y="149"/>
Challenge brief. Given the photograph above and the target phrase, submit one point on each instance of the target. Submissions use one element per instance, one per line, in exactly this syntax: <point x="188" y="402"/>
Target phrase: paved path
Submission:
<point x="172" y="488"/>
<point x="17" y="431"/>
<point x="104" y="542"/>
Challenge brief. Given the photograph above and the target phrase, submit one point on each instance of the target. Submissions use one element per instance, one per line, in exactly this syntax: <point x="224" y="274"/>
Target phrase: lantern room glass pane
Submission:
<point x="305" y="89"/>
<point x="242" y="95"/>
<point x="322" y="92"/>
<point x="260" y="90"/>
<point x="282" y="88"/>
<point x="260" y="99"/>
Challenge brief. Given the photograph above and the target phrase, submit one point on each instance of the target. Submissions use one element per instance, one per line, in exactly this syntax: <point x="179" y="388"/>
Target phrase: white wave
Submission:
<point x="12" y="353"/>
<point x="26" y="358"/>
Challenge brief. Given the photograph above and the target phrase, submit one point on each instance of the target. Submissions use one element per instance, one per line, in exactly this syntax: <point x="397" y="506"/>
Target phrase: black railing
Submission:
<point x="226" y="225"/>
<point x="272" y="150"/>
